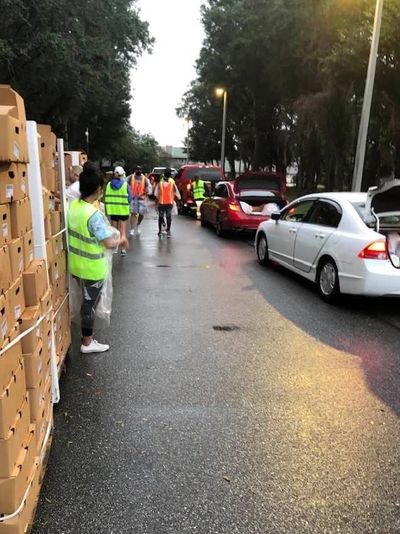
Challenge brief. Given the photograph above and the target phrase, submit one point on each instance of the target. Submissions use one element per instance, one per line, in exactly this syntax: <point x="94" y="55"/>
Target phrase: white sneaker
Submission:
<point x="94" y="346"/>
<point x="132" y="232"/>
<point x="138" y="232"/>
<point x="123" y="252"/>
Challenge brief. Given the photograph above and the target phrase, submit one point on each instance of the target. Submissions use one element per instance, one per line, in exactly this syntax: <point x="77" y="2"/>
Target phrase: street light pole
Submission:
<point x="366" y="109"/>
<point x="223" y="92"/>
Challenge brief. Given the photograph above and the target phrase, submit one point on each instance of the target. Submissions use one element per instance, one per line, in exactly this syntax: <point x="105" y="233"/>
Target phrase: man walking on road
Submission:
<point x="140" y="187"/>
<point x="199" y="192"/>
<point x="117" y="199"/>
<point x="165" y="193"/>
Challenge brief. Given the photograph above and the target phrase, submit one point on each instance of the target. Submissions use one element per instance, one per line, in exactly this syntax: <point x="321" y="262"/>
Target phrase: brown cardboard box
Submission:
<point x="49" y="177"/>
<point x="21" y="523"/>
<point x="5" y="323"/>
<point x="50" y="243"/>
<point x="82" y="158"/>
<point x="9" y="97"/>
<point x="14" y="332"/>
<point x="12" y="489"/>
<point x="5" y="224"/>
<point x="28" y="246"/>
<point x="46" y="201"/>
<point x="42" y="426"/>
<point x="13" y="140"/>
<point x="5" y="269"/>
<point x="9" y="362"/>
<point x="16" y="299"/>
<point x="28" y="319"/>
<point x="11" y="399"/>
<point x="37" y="399"/>
<point x="35" y="282"/>
<point x="59" y="290"/>
<point x="46" y="302"/>
<point x="56" y="220"/>
<point x="10" y="182"/>
<point x="33" y="364"/>
<point x="47" y="338"/>
<point x="21" y="217"/>
<point x="16" y="257"/>
<point x="13" y="443"/>
<point x="59" y="244"/>
<point x="47" y="227"/>
<point x="48" y="143"/>
<point x="58" y="268"/>
<point x="23" y="179"/>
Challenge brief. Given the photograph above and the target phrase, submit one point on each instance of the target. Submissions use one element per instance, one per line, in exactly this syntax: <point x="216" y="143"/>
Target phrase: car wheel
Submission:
<point x="219" y="230"/>
<point x="328" y="280"/>
<point x="262" y="249"/>
<point x="202" y="220"/>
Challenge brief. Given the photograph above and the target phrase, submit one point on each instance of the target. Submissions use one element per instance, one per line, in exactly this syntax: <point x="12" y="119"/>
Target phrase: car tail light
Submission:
<point x="234" y="206"/>
<point x="189" y="187"/>
<point x="375" y="251"/>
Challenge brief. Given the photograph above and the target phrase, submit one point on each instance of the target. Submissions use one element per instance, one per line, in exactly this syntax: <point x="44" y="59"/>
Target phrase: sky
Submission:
<point x="160" y="79"/>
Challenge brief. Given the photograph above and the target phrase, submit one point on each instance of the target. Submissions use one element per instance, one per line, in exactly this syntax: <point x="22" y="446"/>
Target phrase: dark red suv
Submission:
<point x="210" y="174"/>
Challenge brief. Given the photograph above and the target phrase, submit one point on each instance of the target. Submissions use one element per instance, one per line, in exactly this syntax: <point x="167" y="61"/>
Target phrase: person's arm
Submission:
<point x="98" y="226"/>
<point x="148" y="187"/>
<point x="176" y="191"/>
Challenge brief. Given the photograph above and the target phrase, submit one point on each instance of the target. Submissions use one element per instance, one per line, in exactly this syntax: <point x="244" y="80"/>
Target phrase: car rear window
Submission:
<point x="208" y="175"/>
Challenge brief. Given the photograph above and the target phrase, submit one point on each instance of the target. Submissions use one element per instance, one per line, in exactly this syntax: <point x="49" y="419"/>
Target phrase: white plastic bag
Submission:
<point x="174" y="209"/>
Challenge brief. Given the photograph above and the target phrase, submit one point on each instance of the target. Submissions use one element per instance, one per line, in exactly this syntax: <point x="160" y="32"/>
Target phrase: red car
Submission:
<point x="245" y="202"/>
<point x="210" y="174"/>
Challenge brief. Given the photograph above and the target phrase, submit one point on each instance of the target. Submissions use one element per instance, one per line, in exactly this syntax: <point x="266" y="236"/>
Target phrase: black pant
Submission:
<point x="91" y="291"/>
<point x="164" y="210"/>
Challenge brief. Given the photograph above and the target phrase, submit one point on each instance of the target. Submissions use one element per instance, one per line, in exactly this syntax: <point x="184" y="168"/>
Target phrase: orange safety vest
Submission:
<point x="138" y="189"/>
<point x="166" y="192"/>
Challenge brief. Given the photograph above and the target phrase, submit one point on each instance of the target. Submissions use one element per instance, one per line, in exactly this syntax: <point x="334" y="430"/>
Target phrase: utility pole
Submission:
<point x="366" y="109"/>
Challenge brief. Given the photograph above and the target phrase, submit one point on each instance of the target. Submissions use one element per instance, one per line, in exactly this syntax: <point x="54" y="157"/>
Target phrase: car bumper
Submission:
<point x="241" y="222"/>
<point x="376" y="278"/>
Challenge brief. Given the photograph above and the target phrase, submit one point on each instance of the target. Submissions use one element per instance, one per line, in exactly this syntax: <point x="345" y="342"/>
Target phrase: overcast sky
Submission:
<point x="162" y="77"/>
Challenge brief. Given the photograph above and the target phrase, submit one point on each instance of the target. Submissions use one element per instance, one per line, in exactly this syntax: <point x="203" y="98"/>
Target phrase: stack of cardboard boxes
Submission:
<point x="55" y="241"/>
<point x="25" y="383"/>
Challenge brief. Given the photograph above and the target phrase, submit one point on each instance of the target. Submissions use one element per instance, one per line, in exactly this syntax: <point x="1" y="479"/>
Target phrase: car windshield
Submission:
<point x="206" y="174"/>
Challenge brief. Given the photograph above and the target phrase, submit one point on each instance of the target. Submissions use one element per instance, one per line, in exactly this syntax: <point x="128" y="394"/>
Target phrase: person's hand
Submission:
<point x="124" y="243"/>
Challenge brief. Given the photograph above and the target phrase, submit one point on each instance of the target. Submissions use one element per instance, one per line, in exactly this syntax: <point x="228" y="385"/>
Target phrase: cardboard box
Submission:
<point x="33" y="364"/>
<point x="5" y="323"/>
<point x="5" y="269"/>
<point x="42" y="426"/>
<point x="10" y="360"/>
<point x="37" y="399"/>
<point x="28" y="319"/>
<point x="47" y="227"/>
<point x="14" y="332"/>
<point x="5" y="224"/>
<point x="28" y="246"/>
<point x="16" y="299"/>
<point x="59" y="244"/>
<point x="47" y="339"/>
<point x="10" y="446"/>
<point x="46" y="302"/>
<point x="21" y="217"/>
<point x="13" y="140"/>
<point x="58" y="268"/>
<point x="56" y="220"/>
<point x="46" y="201"/>
<point x="11" y="399"/>
<point x="21" y="523"/>
<point x="9" y="97"/>
<point x="16" y="257"/>
<point x="50" y="243"/>
<point x="13" y="182"/>
<point x="48" y="143"/>
<point x="35" y="282"/>
<point x="49" y="179"/>
<point x="12" y="489"/>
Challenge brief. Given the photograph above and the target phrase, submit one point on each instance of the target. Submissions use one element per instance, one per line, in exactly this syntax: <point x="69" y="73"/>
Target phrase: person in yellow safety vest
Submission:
<point x="89" y="235"/>
<point x="139" y="187"/>
<point x="165" y="193"/>
<point x="199" y="192"/>
<point x="117" y="199"/>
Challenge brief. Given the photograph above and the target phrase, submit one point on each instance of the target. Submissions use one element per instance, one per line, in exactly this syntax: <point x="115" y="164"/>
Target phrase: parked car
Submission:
<point x="245" y="202"/>
<point x="345" y="242"/>
<point x="210" y="174"/>
<point x="160" y="170"/>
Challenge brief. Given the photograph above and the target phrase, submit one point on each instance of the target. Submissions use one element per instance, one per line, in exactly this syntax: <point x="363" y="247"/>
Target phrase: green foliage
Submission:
<point x="295" y="74"/>
<point x="70" y="60"/>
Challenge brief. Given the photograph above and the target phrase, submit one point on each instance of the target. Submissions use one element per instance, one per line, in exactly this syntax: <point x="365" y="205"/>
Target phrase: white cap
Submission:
<point x="119" y="171"/>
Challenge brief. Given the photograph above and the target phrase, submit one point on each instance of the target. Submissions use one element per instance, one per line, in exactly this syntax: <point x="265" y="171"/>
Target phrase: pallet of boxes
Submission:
<point x="54" y="222"/>
<point x="25" y="328"/>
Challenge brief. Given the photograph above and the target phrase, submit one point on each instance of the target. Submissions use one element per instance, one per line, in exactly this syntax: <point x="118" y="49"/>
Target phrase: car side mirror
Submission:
<point x="275" y="215"/>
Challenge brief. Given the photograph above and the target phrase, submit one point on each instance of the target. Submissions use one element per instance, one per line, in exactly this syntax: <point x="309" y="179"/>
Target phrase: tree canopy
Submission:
<point x="295" y="75"/>
<point x="71" y="62"/>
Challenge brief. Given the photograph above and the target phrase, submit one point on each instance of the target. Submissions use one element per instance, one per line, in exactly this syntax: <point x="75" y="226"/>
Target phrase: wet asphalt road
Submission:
<point x="289" y="422"/>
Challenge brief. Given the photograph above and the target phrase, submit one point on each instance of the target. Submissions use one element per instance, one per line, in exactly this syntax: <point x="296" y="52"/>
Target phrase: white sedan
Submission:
<point x="345" y="242"/>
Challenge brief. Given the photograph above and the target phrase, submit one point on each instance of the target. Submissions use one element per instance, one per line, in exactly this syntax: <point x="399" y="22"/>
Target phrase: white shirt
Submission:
<point x="72" y="192"/>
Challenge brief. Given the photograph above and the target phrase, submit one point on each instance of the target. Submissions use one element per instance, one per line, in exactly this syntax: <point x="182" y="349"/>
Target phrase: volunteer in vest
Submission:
<point x="165" y="193"/>
<point x="199" y="192"/>
<point x="117" y="199"/>
<point x="89" y="235"/>
<point x="139" y="187"/>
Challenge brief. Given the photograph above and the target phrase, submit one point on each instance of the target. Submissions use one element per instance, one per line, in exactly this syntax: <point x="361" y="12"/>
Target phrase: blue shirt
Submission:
<point x="98" y="226"/>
